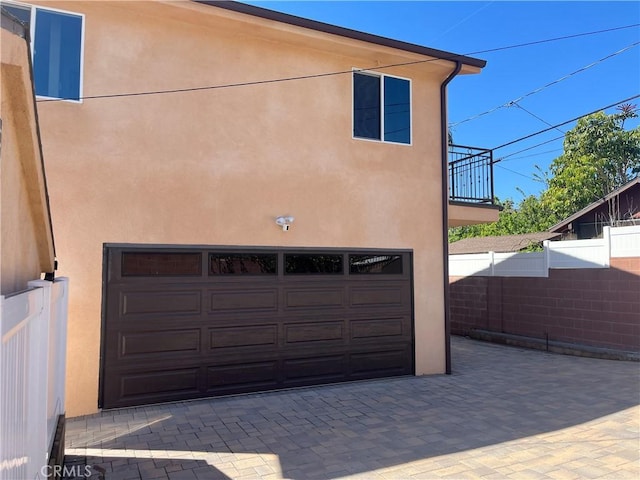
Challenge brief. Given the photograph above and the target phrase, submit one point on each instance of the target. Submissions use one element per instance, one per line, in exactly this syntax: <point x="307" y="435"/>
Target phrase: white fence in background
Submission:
<point x="33" y="337"/>
<point x="615" y="243"/>
<point x="625" y="241"/>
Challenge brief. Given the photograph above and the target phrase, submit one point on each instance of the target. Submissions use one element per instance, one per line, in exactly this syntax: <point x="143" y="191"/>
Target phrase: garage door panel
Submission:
<point x="378" y="296"/>
<point x="379" y="363"/>
<point x="327" y="331"/>
<point x="242" y="377"/>
<point x="300" y="371"/>
<point x="249" y="336"/>
<point x="165" y="302"/>
<point x="163" y="342"/>
<point x="154" y="383"/>
<point x="380" y="328"/>
<point x="316" y="298"/>
<point x="224" y="301"/>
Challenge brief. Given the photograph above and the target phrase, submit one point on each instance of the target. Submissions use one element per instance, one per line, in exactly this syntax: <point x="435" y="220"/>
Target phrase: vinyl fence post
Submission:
<point x="606" y="237"/>
<point x="492" y="263"/>
<point x="547" y="257"/>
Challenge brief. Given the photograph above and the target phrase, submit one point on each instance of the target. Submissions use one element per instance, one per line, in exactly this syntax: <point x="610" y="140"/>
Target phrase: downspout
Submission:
<point x="444" y="129"/>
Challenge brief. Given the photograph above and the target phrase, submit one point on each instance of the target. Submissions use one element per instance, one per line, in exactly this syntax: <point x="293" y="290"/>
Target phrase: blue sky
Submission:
<point x="468" y="27"/>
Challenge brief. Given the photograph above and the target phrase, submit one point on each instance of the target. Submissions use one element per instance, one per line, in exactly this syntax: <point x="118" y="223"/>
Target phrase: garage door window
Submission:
<point x="161" y="264"/>
<point x="313" y="264"/>
<point x="243" y="264"/>
<point x="381" y="264"/>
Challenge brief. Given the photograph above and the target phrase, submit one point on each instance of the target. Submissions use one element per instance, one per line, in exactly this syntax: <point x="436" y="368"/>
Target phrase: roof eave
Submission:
<point x="342" y="31"/>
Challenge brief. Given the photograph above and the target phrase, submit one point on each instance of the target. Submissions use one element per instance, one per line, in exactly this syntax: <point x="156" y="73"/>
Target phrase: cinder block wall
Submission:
<point x="596" y="307"/>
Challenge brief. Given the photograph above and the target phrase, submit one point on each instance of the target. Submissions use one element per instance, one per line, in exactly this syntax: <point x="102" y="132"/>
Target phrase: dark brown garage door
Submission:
<point x="181" y="323"/>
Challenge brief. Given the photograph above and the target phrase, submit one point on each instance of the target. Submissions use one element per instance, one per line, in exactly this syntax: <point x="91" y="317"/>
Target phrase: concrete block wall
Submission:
<point x="596" y="307"/>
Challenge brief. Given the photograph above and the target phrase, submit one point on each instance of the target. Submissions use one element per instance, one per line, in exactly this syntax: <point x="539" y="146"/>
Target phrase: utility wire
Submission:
<point x="547" y="141"/>
<point x="535" y="154"/>
<point x="518" y="173"/>
<point x="517" y="105"/>
<point x="539" y="89"/>
<point x="329" y="74"/>
<point x="501" y="159"/>
<point x="563" y="123"/>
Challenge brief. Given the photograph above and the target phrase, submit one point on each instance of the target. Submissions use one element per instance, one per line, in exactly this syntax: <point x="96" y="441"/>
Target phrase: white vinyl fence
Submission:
<point x="615" y="243"/>
<point x="33" y="333"/>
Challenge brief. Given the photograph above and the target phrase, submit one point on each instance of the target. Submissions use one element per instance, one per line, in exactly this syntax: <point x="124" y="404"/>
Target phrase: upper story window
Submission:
<point x="56" y="45"/>
<point x="381" y="107"/>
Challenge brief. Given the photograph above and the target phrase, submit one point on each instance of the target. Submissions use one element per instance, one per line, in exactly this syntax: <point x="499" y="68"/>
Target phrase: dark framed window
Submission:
<point x="161" y="264"/>
<point x="381" y="107"/>
<point x="56" y="44"/>
<point x="243" y="264"/>
<point x="313" y="263"/>
<point x="376" y="264"/>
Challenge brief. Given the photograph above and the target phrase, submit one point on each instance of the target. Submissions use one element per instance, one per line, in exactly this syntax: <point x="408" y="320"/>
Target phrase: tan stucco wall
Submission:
<point x="26" y="246"/>
<point x="217" y="166"/>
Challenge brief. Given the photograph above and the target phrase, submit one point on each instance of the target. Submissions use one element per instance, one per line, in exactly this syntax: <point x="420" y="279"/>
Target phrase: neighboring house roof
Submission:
<point x="592" y="206"/>
<point x="341" y="31"/>
<point x="504" y="243"/>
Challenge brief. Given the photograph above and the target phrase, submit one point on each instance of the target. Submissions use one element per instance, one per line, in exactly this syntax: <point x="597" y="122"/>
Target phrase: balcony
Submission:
<point x="471" y="196"/>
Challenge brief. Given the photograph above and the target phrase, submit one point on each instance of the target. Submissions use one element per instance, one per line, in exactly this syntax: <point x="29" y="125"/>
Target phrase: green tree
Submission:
<point x="599" y="156"/>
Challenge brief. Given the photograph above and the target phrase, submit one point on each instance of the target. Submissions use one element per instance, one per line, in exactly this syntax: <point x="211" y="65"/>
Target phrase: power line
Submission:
<point x="535" y="116"/>
<point x="329" y="74"/>
<point x="518" y="173"/>
<point x="531" y="148"/>
<point x="539" y="89"/>
<point x="564" y="123"/>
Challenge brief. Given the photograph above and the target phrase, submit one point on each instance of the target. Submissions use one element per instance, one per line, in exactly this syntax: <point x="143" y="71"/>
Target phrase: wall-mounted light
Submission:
<point x="285" y="222"/>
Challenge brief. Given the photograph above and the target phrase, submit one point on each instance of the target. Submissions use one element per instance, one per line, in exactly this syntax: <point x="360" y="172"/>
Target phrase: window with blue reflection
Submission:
<point x="57" y="50"/>
<point x="57" y="54"/>
<point x="381" y="108"/>
<point x="397" y="110"/>
<point x="366" y="106"/>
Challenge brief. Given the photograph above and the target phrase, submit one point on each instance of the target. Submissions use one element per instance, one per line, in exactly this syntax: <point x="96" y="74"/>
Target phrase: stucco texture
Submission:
<point x="216" y="166"/>
<point x="26" y="243"/>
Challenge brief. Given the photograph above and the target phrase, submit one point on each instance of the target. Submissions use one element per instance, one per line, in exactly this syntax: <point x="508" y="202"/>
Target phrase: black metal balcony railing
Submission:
<point x="470" y="174"/>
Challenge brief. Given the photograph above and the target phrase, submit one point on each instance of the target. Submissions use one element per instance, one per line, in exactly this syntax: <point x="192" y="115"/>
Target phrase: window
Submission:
<point x="242" y="264"/>
<point x="383" y="264"/>
<point x="381" y="107"/>
<point x="161" y="264"/>
<point x="56" y="44"/>
<point x="313" y="263"/>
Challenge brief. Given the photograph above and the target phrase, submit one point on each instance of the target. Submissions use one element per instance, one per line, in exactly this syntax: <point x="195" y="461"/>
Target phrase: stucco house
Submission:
<point x="245" y="200"/>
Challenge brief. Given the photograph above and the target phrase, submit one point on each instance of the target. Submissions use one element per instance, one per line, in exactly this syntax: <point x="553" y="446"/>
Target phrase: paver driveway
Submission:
<point x="504" y="413"/>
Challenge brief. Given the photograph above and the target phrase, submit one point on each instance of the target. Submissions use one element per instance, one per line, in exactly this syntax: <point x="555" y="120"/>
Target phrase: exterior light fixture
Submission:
<point x="285" y="222"/>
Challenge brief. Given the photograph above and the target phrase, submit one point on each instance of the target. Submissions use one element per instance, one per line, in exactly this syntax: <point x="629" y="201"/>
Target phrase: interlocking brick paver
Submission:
<point x="504" y="413"/>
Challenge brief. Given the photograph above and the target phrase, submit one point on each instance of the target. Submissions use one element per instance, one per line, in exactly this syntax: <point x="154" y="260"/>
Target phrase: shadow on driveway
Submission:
<point x="382" y="428"/>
